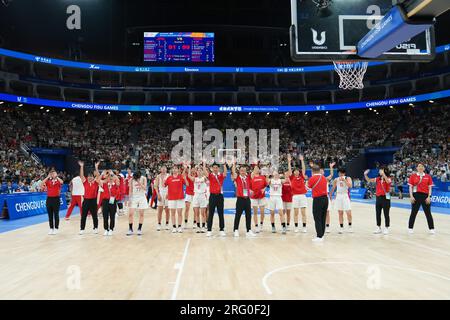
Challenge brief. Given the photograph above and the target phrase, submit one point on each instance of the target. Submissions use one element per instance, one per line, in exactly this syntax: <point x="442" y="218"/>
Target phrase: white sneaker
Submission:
<point x="203" y="230"/>
<point x="185" y="226"/>
<point x="105" y="233"/>
<point x="174" y="230"/>
<point x="180" y="230"/>
<point x="55" y="231"/>
<point x="167" y="227"/>
<point x="236" y="233"/>
<point x="81" y="232"/>
<point x="130" y="233"/>
<point x="386" y="231"/>
<point x="158" y="228"/>
<point x="139" y="232"/>
<point x="377" y="230"/>
<point x="284" y="230"/>
<point x="95" y="231"/>
<point x="327" y="230"/>
<point x="261" y="228"/>
<point x="341" y="230"/>
<point x="296" y="230"/>
<point x="222" y="234"/>
<point x="110" y="233"/>
<point x="350" y="229"/>
<point x="209" y="234"/>
<point x="305" y="230"/>
<point x="50" y="232"/>
<point x="317" y="240"/>
<point x="432" y="231"/>
<point x="274" y="230"/>
<point x="250" y="234"/>
<point x="410" y="231"/>
<point x="288" y="228"/>
<point x="194" y="226"/>
<point x="257" y="230"/>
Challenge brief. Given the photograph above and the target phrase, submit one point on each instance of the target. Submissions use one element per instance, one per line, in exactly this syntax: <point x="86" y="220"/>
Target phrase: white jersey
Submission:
<point x="138" y="191"/>
<point x="77" y="187"/>
<point x="276" y="187"/>
<point x="341" y="186"/>
<point x="200" y="185"/>
<point x="161" y="187"/>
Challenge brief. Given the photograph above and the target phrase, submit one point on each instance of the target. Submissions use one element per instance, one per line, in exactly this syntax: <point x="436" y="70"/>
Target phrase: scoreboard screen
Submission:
<point x="194" y="47"/>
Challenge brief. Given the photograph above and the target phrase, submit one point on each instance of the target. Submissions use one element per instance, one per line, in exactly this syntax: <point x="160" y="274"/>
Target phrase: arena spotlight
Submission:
<point x="42" y="108"/>
<point x="210" y="114"/>
<point x="109" y="112"/>
<point x="20" y="105"/>
<point x="411" y="105"/>
<point x="431" y="101"/>
<point x="287" y="113"/>
<point x="1" y="102"/>
<point x="87" y="112"/>
<point x="48" y="110"/>
<point x="170" y="114"/>
<point x="249" y="113"/>
<point x="63" y="110"/>
<point x="348" y="111"/>
<point x="306" y="113"/>
<point x="392" y="107"/>
<point x="192" y="114"/>
<point x="268" y="113"/>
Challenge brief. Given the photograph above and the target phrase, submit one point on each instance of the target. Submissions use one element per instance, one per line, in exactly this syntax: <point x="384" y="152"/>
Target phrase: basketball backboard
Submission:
<point x="329" y="30"/>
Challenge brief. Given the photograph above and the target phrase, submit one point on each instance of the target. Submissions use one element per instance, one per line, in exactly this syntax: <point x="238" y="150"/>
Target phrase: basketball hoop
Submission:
<point x="351" y="73"/>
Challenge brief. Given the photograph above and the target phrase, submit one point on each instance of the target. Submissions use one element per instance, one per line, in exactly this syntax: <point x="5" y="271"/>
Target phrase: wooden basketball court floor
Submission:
<point x="161" y="265"/>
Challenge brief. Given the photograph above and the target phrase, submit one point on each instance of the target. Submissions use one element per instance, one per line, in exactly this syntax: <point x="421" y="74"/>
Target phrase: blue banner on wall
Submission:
<point x="440" y="199"/>
<point x="154" y="108"/>
<point x="23" y="205"/>
<point x="357" y="193"/>
<point x="102" y="67"/>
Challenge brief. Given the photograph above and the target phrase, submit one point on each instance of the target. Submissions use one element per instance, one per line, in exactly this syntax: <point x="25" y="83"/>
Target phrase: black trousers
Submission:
<point x="216" y="201"/>
<point x="89" y="206"/>
<point x="53" y="204"/>
<point x="383" y="204"/>
<point x="421" y="201"/>
<point x="109" y="214"/>
<point x="320" y="206"/>
<point x="243" y="204"/>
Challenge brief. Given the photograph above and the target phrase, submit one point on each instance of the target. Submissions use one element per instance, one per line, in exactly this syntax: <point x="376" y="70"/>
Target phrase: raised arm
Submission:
<point x="349" y="182"/>
<point x="302" y="160"/>
<point x="205" y="169"/>
<point x="289" y="159"/>
<point x="331" y="171"/>
<point x="225" y="169"/>
<point x="81" y="164"/>
<point x="233" y="170"/>
<point x="333" y="188"/>
<point x="369" y="180"/>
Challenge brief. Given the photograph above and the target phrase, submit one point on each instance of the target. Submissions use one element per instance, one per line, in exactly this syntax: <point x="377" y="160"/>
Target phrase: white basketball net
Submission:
<point x="351" y="73"/>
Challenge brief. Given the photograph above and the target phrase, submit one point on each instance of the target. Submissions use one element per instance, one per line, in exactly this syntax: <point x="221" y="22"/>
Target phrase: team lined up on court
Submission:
<point x="201" y="188"/>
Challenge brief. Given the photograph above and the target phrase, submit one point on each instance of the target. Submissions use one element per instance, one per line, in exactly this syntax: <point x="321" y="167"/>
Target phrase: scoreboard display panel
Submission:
<point x="181" y="47"/>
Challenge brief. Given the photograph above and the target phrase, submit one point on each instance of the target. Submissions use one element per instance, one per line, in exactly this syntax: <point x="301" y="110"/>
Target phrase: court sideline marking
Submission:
<point x="270" y="273"/>
<point x="180" y="268"/>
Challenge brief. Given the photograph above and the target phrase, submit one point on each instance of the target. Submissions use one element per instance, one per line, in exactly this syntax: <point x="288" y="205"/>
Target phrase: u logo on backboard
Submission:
<point x="323" y="37"/>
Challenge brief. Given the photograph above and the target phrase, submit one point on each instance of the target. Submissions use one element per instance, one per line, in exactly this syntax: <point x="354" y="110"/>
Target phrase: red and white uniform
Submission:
<point x="258" y="191"/>
<point x="77" y="196"/>
<point x="286" y="195"/>
<point x="138" y="198"/>
<point x="110" y="192"/>
<point x="189" y="190"/>
<point x="276" y="192"/>
<point x="90" y="190"/>
<point x="420" y="183"/>
<point x="200" y="198"/>
<point x="298" y="188"/>
<point x="216" y="183"/>
<point x="383" y="187"/>
<point x="342" y="201"/>
<point x="53" y="188"/>
<point x="175" y="194"/>
<point x="319" y="185"/>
